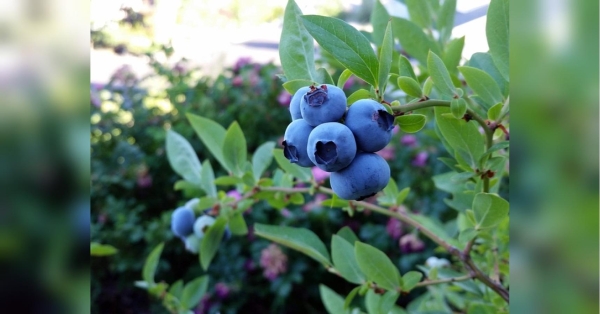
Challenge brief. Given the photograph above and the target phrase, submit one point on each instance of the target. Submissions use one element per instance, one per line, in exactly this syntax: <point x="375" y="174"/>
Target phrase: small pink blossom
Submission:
<point x="273" y="261"/>
<point x="349" y="82"/>
<point x="387" y="153"/>
<point x="284" y="98"/>
<point x="241" y="62"/>
<point x="420" y="160"/>
<point x="319" y="174"/>
<point x="394" y="228"/>
<point x="395" y="130"/>
<point x="235" y="194"/>
<point x="222" y="290"/>
<point x="411" y="243"/>
<point x="409" y="140"/>
<point x="316" y="203"/>
<point x="237" y="81"/>
<point x="286" y="213"/>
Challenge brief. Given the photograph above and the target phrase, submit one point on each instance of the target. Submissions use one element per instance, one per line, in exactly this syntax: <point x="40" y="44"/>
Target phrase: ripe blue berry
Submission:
<point x="331" y="146"/>
<point x="294" y="143"/>
<point x="364" y="177"/>
<point x="201" y="224"/>
<point x="182" y="222"/>
<point x="371" y="124"/>
<point x="326" y="103"/>
<point x="295" y="102"/>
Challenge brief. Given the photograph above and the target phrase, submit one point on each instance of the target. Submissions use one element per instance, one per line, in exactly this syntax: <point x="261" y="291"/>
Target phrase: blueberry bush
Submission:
<point x="425" y="87"/>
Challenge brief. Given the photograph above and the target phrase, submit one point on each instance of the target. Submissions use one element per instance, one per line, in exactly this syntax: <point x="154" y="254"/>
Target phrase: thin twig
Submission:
<point x="445" y="280"/>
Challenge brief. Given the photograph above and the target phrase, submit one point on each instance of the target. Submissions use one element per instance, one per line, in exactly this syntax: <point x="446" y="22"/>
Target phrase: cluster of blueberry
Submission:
<point x="316" y="137"/>
<point x="190" y="229"/>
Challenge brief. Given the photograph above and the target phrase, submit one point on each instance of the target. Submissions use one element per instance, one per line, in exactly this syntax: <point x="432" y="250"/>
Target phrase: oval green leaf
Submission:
<point x="497" y="32"/>
<point x="299" y="239"/>
<point x="262" y="159"/>
<point x="234" y="149"/>
<point x="411" y="123"/>
<point x="294" y="85"/>
<point x="342" y="253"/>
<point x="151" y="264"/>
<point x="296" y="47"/>
<point x="377" y="266"/>
<point x="489" y="210"/>
<point x="458" y="107"/>
<point x="183" y="158"/>
<point x="440" y="75"/>
<point x="413" y="40"/>
<point x="410" y="86"/>
<point x="211" y="134"/>
<point x="483" y="85"/>
<point x="211" y="241"/>
<point x="346" y="44"/>
<point x="385" y="59"/>
<point x="334" y="303"/>
<point x="193" y="292"/>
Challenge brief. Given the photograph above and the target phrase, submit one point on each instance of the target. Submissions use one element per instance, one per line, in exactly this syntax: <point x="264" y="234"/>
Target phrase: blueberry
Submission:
<point x="331" y="146"/>
<point x="201" y="224"/>
<point x="364" y="177"/>
<point x="192" y="243"/>
<point x="371" y="124"/>
<point x="182" y="222"/>
<point x="294" y="143"/>
<point x="326" y="103"/>
<point x="295" y="102"/>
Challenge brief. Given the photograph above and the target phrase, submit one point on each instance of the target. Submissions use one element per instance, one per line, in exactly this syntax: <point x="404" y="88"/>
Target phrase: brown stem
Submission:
<point x="446" y="280"/>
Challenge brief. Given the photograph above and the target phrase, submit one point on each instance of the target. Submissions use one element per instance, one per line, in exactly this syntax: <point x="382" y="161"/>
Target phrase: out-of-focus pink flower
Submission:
<point x="286" y="213"/>
<point x="284" y="98"/>
<point x="181" y="67"/>
<point x="395" y="130"/>
<point x="409" y="140"/>
<point x="387" y="152"/>
<point x="144" y="180"/>
<point x="237" y="81"/>
<point x="349" y="82"/>
<point x="204" y="304"/>
<point x="420" y="159"/>
<point x="222" y="290"/>
<point x="319" y="174"/>
<point x="394" y="228"/>
<point x="235" y="194"/>
<point x="411" y="243"/>
<point x="319" y="198"/>
<point x="240" y="63"/>
<point x="254" y="79"/>
<point x="273" y="261"/>
<point x="249" y="265"/>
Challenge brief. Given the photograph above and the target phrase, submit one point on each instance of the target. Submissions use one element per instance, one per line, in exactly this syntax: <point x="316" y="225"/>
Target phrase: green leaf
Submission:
<point x="234" y="149"/>
<point x="489" y="210"/>
<point x="446" y="19"/>
<point x="358" y="95"/>
<point x="410" y="86"/>
<point x="97" y="249"/>
<point x="151" y="264"/>
<point x="237" y="224"/>
<point x="183" y="158"/>
<point x="347" y="234"/>
<point x="419" y="12"/>
<point x="410" y="280"/>
<point x="343" y="78"/>
<point x="494" y="112"/>
<point x="439" y="75"/>
<point x="402" y="195"/>
<point x="342" y="253"/>
<point x="301" y="173"/>
<point x="467" y="235"/>
<point x="211" y="241"/>
<point x="334" y="303"/>
<point x="385" y="59"/>
<point x="461" y="135"/>
<point x="193" y="292"/>
<point x="225" y="181"/>
<point x="379" y="20"/>
<point x="413" y="40"/>
<point x="207" y="176"/>
<point x="411" y="123"/>
<point x="262" y="159"/>
<point x="428" y="86"/>
<point x="334" y="202"/>
<point x="346" y="44"/>
<point x="433" y="226"/>
<point x="299" y="239"/>
<point x="176" y="289"/>
<point x="294" y="85"/>
<point x="351" y="296"/>
<point x="458" y="107"/>
<point x="497" y="32"/>
<point x="211" y="134"/>
<point x="483" y="85"/>
<point x="453" y="54"/>
<point x="484" y="61"/>
<point x="324" y="77"/>
<point x="296" y="47"/>
<point x="387" y="301"/>
<point x="405" y="68"/>
<point x="377" y="266"/>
